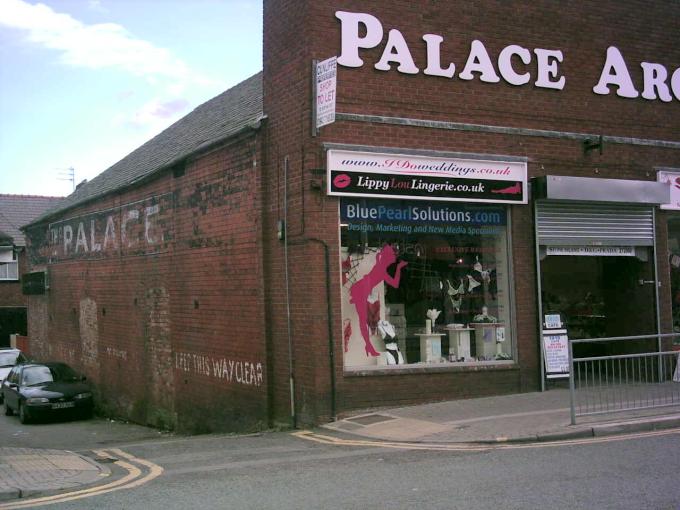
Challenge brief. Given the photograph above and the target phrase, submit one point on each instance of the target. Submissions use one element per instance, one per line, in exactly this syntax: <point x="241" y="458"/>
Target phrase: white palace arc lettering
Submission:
<point x="364" y="31"/>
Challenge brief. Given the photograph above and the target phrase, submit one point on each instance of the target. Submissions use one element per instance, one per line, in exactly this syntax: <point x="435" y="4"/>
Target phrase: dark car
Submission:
<point x="41" y="389"/>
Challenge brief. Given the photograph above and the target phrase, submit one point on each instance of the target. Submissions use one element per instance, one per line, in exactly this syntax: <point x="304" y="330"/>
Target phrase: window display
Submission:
<point x="424" y="282"/>
<point x="674" y="263"/>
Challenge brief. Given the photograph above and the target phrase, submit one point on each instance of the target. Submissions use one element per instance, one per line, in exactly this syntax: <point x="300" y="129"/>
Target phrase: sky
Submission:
<point x="85" y="82"/>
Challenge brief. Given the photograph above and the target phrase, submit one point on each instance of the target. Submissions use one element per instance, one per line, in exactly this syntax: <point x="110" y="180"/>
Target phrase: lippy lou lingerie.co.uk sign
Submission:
<point x="362" y="174"/>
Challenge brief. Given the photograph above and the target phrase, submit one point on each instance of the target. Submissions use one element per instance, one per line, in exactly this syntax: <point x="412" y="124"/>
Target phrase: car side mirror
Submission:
<point x="83" y="378"/>
<point x="12" y="386"/>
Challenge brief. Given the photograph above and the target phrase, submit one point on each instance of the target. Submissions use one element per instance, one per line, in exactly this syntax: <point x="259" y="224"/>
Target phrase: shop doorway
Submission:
<point x="603" y="296"/>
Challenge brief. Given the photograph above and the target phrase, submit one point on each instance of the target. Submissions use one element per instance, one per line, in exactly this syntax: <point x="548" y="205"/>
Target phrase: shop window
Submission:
<point x="674" y="263"/>
<point x="424" y="283"/>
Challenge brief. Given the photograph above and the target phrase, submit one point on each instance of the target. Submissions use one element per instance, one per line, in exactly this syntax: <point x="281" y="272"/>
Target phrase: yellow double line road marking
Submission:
<point x="472" y="447"/>
<point x="134" y="478"/>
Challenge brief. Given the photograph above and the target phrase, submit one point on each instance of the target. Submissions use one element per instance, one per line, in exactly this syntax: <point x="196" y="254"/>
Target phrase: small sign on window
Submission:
<point x="552" y="321"/>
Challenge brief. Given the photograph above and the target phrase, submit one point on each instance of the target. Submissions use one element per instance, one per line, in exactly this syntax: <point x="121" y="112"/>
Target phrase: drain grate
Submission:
<point x="370" y="419"/>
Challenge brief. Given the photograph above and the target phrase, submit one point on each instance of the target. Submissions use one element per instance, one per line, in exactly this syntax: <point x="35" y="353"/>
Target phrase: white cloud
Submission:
<point x="153" y="116"/>
<point x="96" y="5"/>
<point x="157" y="112"/>
<point x="96" y="46"/>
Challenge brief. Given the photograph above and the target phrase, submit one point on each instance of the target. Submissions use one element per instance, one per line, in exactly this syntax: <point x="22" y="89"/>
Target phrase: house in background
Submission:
<point x="15" y="212"/>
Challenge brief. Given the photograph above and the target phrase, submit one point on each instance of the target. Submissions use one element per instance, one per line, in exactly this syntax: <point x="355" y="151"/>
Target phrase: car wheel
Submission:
<point x="86" y="413"/>
<point x="23" y="414"/>
<point x="8" y="410"/>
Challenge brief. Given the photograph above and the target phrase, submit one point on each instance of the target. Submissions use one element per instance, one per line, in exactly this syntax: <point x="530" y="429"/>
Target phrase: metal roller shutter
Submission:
<point x="588" y="224"/>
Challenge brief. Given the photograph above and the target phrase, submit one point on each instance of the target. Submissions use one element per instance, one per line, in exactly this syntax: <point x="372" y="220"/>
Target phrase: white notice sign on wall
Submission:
<point x="556" y="351"/>
<point x="326" y="82"/>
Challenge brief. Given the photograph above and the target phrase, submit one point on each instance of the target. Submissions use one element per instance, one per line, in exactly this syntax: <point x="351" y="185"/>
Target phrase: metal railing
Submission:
<point x="626" y="382"/>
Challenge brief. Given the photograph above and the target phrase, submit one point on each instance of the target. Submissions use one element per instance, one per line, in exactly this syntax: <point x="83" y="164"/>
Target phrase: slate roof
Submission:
<point x="216" y="120"/>
<point x="19" y="210"/>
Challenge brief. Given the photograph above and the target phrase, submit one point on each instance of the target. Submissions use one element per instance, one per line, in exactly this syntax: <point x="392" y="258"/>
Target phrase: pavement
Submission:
<point x="28" y="472"/>
<point x="525" y="417"/>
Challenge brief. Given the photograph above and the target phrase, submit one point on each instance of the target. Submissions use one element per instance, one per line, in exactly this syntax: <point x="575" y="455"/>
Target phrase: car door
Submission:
<point x="11" y="388"/>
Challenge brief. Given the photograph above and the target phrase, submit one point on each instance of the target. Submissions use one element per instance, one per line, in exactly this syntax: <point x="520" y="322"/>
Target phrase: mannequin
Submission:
<point x="392" y="354"/>
<point x="484" y="316"/>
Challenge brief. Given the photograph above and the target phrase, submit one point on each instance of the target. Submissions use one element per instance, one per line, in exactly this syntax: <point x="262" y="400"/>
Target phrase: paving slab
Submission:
<point x="27" y="472"/>
<point x="538" y="416"/>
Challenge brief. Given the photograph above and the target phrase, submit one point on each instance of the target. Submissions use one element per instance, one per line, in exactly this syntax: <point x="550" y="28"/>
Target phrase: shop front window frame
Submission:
<point x="407" y="328"/>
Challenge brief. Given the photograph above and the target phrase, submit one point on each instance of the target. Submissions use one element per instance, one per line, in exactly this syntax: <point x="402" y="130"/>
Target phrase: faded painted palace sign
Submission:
<point x="138" y="228"/>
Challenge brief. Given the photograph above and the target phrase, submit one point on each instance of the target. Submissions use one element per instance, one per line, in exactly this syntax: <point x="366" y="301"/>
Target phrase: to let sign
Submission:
<point x="326" y="82"/>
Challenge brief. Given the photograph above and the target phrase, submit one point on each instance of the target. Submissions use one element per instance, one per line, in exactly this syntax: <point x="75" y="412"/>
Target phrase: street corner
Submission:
<point x="29" y="472"/>
<point x="8" y="494"/>
<point x="30" y="477"/>
<point x="386" y="426"/>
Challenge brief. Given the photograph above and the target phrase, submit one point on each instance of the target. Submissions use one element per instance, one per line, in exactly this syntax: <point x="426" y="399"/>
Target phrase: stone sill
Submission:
<point x="431" y="368"/>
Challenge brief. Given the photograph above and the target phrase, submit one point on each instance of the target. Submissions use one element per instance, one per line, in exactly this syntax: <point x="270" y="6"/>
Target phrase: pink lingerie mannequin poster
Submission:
<point x="360" y="292"/>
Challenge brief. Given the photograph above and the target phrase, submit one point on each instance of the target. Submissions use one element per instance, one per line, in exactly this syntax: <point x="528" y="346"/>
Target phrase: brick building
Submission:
<point x="480" y="179"/>
<point x="16" y="211"/>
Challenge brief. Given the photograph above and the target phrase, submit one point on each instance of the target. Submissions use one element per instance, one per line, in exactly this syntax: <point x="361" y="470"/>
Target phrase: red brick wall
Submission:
<point x="297" y="32"/>
<point x="10" y="291"/>
<point x="287" y="105"/>
<point x="172" y="334"/>
<point x="663" y="268"/>
<point x="22" y="344"/>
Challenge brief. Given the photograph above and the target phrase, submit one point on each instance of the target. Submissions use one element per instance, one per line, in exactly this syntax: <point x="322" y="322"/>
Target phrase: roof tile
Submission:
<point x="19" y="210"/>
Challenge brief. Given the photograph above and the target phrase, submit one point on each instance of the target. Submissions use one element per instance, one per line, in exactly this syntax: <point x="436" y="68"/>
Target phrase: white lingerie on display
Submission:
<point x="386" y="329"/>
<point x="472" y="283"/>
<point x="392" y="354"/>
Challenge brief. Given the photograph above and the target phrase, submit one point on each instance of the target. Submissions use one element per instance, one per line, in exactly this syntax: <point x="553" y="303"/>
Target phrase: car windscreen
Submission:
<point x="36" y="375"/>
<point x="8" y="359"/>
<point x="64" y="373"/>
<point x="41" y="374"/>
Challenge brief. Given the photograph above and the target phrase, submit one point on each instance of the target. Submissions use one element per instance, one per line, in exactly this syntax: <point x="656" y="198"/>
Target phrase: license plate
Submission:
<point x="63" y="405"/>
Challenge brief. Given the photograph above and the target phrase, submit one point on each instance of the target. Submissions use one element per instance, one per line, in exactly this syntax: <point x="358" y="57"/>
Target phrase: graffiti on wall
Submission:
<point x="117" y="353"/>
<point x="136" y="228"/>
<point x="225" y="369"/>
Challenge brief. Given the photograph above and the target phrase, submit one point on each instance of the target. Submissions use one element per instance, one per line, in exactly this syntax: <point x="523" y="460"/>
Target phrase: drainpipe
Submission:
<point x="329" y="312"/>
<point x="329" y="319"/>
<point x="291" y="376"/>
